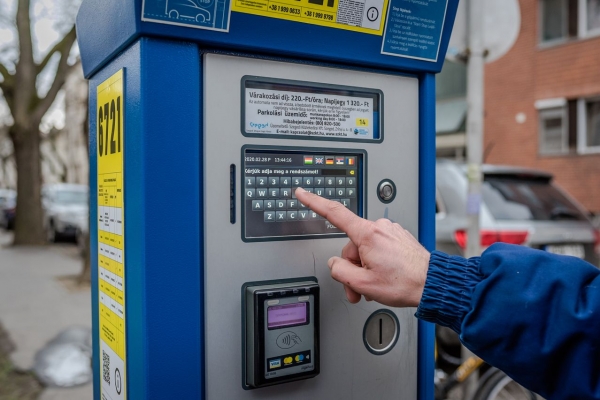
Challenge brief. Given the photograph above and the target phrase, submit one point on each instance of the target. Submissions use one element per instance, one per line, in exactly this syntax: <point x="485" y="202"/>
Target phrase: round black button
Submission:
<point x="386" y="191"/>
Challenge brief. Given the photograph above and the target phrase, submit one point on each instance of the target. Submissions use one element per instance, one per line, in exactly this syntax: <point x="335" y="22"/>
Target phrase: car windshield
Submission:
<point x="514" y="198"/>
<point x="70" y="197"/>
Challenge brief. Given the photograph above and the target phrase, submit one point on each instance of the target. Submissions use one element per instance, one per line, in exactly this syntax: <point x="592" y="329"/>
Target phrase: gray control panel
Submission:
<point x="281" y="331"/>
<point x="347" y="135"/>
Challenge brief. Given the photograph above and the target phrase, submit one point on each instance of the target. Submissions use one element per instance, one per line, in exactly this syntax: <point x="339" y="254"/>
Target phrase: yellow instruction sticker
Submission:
<point x="111" y="238"/>
<point x="367" y="16"/>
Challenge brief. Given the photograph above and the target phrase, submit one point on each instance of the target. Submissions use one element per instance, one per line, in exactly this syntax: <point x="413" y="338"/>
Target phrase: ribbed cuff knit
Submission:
<point x="447" y="294"/>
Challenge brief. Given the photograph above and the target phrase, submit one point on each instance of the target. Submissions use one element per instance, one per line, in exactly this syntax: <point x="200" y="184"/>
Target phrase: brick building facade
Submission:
<point x="542" y="99"/>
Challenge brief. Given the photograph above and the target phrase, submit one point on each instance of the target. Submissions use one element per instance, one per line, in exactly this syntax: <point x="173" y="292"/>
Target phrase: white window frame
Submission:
<point x="582" y="22"/>
<point x="549" y="108"/>
<point x="582" y="147"/>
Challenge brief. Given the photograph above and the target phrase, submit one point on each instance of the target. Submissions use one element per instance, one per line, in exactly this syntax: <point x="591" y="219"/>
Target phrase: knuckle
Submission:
<point x="381" y="226"/>
<point x="383" y="223"/>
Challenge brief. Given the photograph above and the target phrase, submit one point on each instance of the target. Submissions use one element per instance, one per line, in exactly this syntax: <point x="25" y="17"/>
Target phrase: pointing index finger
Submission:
<point x="335" y="213"/>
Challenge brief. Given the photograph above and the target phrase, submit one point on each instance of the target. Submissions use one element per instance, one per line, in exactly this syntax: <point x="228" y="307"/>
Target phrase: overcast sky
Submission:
<point x="50" y="20"/>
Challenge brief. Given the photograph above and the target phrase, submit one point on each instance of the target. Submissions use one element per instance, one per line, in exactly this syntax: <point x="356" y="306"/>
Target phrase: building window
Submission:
<point x="589" y="126"/>
<point x="554" y="130"/>
<point x="569" y="126"/>
<point x="593" y="16"/>
<point x="559" y="19"/>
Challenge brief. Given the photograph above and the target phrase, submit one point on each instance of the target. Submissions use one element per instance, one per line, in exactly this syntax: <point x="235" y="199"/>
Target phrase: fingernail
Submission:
<point x="330" y="263"/>
<point x="299" y="189"/>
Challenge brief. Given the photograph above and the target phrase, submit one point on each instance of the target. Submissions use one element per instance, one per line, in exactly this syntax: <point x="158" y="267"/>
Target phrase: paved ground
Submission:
<point x="35" y="305"/>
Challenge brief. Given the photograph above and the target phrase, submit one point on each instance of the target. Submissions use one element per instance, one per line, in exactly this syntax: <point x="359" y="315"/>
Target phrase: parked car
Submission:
<point x="519" y="206"/>
<point x="8" y="203"/>
<point x="65" y="210"/>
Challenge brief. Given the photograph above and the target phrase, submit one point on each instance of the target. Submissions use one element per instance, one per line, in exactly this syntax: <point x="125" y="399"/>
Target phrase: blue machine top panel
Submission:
<point x="415" y="36"/>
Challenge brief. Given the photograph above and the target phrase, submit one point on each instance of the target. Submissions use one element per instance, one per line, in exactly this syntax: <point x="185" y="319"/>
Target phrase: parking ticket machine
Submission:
<point x="210" y="278"/>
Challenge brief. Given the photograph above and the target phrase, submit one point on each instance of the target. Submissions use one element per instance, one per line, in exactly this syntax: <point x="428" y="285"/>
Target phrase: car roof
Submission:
<point x="500" y="170"/>
<point x="65" y="186"/>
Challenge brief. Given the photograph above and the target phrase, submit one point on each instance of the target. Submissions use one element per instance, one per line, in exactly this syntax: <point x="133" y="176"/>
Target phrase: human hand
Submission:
<point x="382" y="261"/>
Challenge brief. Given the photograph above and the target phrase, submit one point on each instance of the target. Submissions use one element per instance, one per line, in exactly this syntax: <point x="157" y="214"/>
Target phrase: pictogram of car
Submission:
<point x="189" y="9"/>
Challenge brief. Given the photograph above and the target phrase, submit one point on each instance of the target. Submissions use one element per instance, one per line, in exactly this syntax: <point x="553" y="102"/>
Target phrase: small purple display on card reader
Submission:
<point x="286" y="315"/>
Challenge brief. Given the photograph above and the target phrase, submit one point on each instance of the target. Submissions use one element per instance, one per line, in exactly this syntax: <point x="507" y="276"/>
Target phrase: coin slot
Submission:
<point x="381" y="332"/>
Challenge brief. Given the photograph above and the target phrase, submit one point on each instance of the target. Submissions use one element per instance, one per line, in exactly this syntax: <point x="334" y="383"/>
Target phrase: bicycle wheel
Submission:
<point x="500" y="386"/>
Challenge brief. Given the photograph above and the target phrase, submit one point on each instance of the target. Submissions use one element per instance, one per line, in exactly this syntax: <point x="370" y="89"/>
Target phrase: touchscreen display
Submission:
<point x="287" y="315"/>
<point x="270" y="207"/>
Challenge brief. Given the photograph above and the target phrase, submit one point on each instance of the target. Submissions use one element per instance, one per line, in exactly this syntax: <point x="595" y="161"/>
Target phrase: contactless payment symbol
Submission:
<point x="288" y="340"/>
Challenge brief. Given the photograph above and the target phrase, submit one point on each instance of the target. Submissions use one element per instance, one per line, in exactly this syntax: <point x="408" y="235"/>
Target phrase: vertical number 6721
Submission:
<point x="109" y="118"/>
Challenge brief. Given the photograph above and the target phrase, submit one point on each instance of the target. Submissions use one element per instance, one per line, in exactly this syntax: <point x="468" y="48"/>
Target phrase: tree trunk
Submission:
<point x="86" y="272"/>
<point x="85" y="277"/>
<point x="29" y="228"/>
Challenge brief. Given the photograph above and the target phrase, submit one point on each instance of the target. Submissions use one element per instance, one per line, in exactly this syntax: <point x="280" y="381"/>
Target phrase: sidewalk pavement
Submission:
<point x="35" y="305"/>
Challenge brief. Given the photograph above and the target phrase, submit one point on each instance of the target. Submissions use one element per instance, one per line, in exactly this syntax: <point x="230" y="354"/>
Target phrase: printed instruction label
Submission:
<point x="202" y="14"/>
<point x="366" y="16"/>
<point x="111" y="238"/>
<point x="414" y="29"/>
<point x="276" y="108"/>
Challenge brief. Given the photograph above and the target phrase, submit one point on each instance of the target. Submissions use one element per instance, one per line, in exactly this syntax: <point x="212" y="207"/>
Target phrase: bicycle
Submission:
<point x="493" y="384"/>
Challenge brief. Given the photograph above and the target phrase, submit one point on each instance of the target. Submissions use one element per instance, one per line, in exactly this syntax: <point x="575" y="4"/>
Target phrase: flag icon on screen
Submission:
<point x="308" y="160"/>
<point x="350" y="160"/>
<point x="339" y="161"/>
<point x="319" y="160"/>
<point x="329" y="160"/>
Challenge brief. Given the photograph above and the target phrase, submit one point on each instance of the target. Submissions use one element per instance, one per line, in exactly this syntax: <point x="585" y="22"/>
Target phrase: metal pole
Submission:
<point x="475" y="75"/>
<point x="475" y="81"/>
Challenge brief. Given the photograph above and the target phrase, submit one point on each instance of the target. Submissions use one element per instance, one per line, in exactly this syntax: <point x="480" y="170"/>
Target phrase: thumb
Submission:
<point x="353" y="277"/>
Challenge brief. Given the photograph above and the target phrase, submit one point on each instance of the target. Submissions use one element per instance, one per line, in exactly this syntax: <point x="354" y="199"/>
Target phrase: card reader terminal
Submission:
<point x="281" y="331"/>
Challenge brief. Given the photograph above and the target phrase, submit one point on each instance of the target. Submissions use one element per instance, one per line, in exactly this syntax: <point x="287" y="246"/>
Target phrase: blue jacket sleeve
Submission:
<point x="534" y="315"/>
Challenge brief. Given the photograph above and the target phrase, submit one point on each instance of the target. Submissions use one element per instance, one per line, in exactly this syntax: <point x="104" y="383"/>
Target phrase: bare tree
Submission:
<point x="85" y="277"/>
<point x="27" y="108"/>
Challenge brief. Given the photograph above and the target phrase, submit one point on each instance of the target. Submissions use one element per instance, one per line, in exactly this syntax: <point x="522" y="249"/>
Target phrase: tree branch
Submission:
<point x="4" y="72"/>
<point x="25" y="67"/>
<point x="57" y="47"/>
<point x="7" y="86"/>
<point x="59" y="79"/>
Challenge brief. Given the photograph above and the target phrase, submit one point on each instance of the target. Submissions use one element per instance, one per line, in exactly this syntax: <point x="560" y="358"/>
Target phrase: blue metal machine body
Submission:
<point x="166" y="197"/>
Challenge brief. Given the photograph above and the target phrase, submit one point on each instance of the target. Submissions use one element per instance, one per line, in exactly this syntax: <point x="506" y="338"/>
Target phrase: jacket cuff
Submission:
<point x="447" y="294"/>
